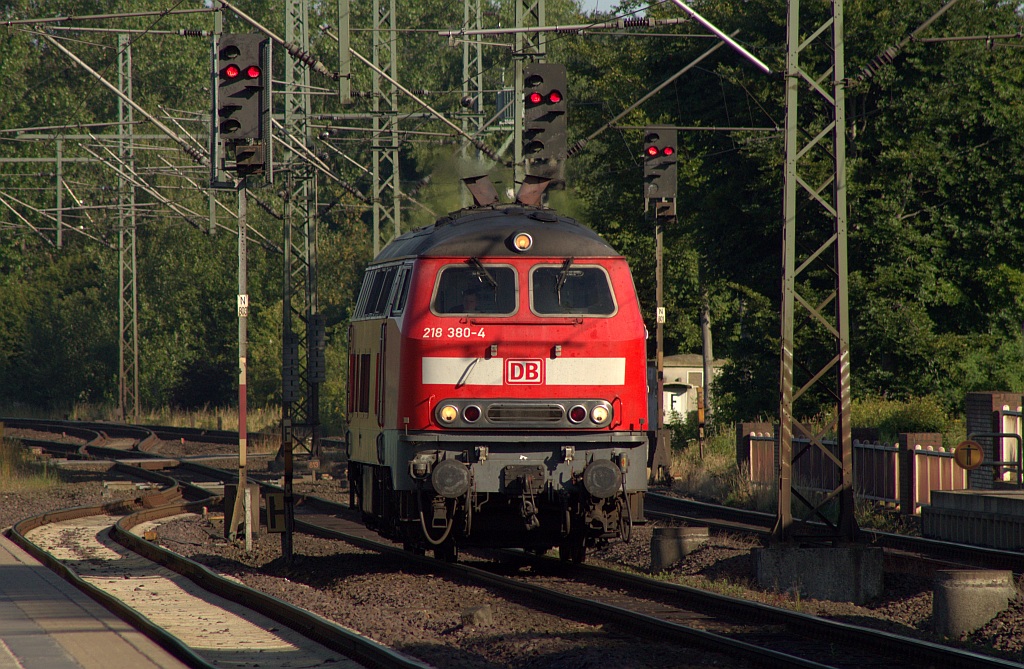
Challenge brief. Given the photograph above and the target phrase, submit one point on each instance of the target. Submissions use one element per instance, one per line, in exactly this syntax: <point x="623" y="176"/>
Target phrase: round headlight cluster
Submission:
<point x="448" y="413"/>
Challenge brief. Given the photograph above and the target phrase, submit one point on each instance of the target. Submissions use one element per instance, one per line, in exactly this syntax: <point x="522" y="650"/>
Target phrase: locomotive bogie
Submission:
<point x="528" y="513"/>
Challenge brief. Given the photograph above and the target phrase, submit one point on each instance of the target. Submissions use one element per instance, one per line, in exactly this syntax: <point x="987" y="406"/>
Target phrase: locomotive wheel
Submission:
<point x="415" y="549"/>
<point x="447" y="552"/>
<point x="572" y="550"/>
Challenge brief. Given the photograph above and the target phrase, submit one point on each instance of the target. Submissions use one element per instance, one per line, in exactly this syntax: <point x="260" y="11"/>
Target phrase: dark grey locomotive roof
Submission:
<point x="486" y="231"/>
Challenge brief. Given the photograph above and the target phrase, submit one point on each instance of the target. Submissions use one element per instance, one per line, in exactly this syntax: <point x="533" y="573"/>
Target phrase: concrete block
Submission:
<point x="965" y="600"/>
<point x="478" y="616"/>
<point x="840" y="574"/>
<point x="981" y="518"/>
<point x="671" y="544"/>
<point x="1004" y="501"/>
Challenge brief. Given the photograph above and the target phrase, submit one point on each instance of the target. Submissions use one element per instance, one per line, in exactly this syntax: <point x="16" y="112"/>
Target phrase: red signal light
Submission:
<point x="253" y="71"/>
<point x="652" y="151"/>
<point x="554" y="97"/>
<point x="668" y="150"/>
<point x="577" y="413"/>
<point x="535" y="98"/>
<point x="232" y="71"/>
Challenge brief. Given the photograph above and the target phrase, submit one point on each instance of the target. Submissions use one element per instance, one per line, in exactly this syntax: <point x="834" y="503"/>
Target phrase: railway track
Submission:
<point x="758" y="634"/>
<point x="677" y="510"/>
<point x="205" y="619"/>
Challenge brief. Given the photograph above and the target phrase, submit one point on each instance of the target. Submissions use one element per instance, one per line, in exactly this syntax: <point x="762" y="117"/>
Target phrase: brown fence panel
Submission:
<point x="904" y="474"/>
<point x="935" y="469"/>
<point x="876" y="471"/>
<point x="762" y="460"/>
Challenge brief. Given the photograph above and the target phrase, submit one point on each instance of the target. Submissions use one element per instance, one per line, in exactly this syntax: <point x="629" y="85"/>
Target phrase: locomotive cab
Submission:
<point x="497" y="386"/>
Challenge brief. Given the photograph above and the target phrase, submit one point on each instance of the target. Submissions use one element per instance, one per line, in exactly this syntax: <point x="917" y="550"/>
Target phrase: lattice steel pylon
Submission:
<point x="387" y="188"/>
<point x="300" y="412"/>
<point x="128" y="305"/>
<point x="472" y="80"/>
<point x="814" y="280"/>
<point x="529" y="45"/>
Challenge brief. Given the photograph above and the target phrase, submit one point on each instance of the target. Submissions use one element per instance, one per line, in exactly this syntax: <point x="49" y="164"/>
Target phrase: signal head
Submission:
<point x="660" y="171"/>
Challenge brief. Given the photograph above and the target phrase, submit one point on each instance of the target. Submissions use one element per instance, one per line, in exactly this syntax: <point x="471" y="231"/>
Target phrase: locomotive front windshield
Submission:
<point x="570" y="289"/>
<point x="476" y="288"/>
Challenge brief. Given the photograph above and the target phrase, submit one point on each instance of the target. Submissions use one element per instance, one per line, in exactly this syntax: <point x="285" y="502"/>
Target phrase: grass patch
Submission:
<point x="267" y="419"/>
<point x="259" y="419"/>
<point x="714" y="475"/>
<point x="20" y="472"/>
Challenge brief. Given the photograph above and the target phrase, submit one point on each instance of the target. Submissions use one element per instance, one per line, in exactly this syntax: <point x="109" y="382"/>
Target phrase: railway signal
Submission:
<point x="241" y="86"/>
<point x="660" y="172"/>
<point x="545" y="122"/>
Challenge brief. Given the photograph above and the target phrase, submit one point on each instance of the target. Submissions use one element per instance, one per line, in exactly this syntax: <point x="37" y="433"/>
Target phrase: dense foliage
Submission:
<point x="935" y="185"/>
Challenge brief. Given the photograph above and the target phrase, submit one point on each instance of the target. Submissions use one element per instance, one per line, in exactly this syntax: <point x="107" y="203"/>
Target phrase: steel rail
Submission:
<point x="926" y="651"/>
<point x="171" y="643"/>
<point x="731" y="519"/>
<point x="937" y="654"/>
<point x="310" y="625"/>
<point x="313" y="625"/>
<point x="168" y="503"/>
<point x="562" y="603"/>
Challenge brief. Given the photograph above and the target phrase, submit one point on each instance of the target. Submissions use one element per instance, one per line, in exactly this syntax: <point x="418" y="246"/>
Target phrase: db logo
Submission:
<point x="524" y="371"/>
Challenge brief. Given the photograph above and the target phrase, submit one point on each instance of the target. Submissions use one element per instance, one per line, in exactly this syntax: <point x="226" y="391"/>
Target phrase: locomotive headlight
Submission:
<point x="448" y="413"/>
<point x="522" y="242"/>
<point x="600" y="414"/>
<point x="578" y="413"/>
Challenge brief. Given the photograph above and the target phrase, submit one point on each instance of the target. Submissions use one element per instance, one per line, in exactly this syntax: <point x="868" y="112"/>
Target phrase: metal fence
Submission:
<point x="903" y="475"/>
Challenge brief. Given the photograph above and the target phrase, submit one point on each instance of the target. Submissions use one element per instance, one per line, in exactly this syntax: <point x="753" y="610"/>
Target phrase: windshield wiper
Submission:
<point x="482" y="273"/>
<point x="562" y="276"/>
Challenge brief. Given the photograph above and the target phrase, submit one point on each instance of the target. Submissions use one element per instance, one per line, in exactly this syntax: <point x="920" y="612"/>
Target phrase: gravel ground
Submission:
<point x="423" y="615"/>
<point x="435" y="619"/>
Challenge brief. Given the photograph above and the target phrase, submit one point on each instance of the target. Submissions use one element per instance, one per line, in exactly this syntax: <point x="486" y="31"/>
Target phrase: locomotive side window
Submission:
<point x="358" y="382"/>
<point x="475" y="288"/>
<point x="376" y="290"/>
<point x="401" y="291"/>
<point x="557" y="290"/>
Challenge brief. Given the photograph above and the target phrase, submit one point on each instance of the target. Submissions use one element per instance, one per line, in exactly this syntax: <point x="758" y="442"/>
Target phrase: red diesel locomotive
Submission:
<point x="497" y="386"/>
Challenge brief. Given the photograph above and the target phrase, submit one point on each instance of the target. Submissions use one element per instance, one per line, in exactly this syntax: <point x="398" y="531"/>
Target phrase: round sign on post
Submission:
<point x="968" y="454"/>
